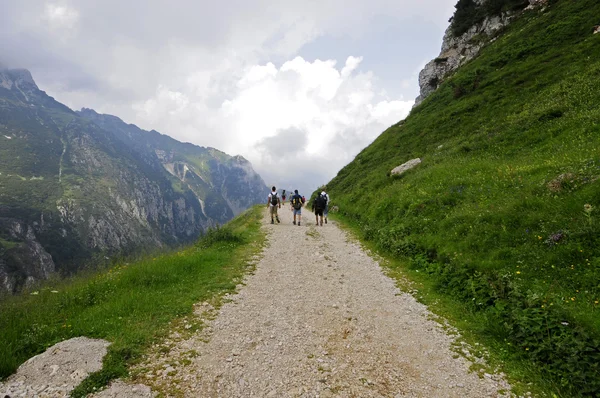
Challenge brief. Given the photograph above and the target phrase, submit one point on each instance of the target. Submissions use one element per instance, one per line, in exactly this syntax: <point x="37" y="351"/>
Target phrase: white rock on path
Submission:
<point x="58" y="370"/>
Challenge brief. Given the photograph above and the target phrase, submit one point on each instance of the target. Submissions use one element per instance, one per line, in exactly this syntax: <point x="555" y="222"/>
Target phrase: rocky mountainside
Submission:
<point x="475" y="24"/>
<point x="78" y="186"/>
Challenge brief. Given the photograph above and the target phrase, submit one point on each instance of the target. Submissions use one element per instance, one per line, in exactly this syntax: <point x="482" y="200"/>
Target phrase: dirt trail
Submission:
<point x="318" y="318"/>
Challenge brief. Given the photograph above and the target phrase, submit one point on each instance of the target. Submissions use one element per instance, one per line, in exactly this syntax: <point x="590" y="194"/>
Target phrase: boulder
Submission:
<point x="406" y="166"/>
<point x="58" y="370"/>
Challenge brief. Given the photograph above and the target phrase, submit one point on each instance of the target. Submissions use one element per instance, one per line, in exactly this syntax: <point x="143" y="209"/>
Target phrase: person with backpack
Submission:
<point x="318" y="207"/>
<point x="283" y="197"/>
<point x="296" y="203"/>
<point x="273" y="203"/>
<point x="326" y="211"/>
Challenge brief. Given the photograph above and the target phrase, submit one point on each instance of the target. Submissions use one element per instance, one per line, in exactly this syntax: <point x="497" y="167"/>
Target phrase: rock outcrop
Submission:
<point x="58" y="370"/>
<point x="458" y="50"/>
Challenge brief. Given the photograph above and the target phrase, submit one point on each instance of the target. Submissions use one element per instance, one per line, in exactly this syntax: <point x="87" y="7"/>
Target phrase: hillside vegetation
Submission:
<point x="130" y="305"/>
<point x="503" y="215"/>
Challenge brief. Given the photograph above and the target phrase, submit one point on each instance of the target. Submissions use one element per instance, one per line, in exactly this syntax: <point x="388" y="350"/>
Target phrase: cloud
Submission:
<point x="61" y="16"/>
<point x="230" y="75"/>
<point x="286" y="143"/>
<point x="315" y="114"/>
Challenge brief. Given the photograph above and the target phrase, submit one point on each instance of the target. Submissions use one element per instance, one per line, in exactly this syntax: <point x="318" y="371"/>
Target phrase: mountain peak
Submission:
<point x="19" y="77"/>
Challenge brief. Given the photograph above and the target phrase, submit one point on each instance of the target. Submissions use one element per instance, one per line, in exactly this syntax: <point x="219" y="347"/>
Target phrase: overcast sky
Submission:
<point x="297" y="87"/>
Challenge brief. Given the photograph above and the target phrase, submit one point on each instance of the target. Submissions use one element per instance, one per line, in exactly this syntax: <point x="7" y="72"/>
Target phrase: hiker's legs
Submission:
<point x="319" y="213"/>
<point x="326" y="212"/>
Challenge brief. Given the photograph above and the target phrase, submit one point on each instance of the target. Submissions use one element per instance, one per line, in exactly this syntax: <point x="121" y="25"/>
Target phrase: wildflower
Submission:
<point x="539" y="237"/>
<point x="565" y="323"/>
<point x="34" y="293"/>
<point x="518" y="272"/>
<point x="527" y="349"/>
<point x="572" y="298"/>
<point x="588" y="208"/>
<point x="596" y="302"/>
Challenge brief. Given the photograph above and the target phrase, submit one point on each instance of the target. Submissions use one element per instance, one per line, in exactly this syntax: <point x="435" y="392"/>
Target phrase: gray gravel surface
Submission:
<point x="318" y="318"/>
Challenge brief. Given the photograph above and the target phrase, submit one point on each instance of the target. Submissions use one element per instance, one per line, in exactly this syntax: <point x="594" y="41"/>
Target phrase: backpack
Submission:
<point x="297" y="202"/>
<point x="274" y="199"/>
<point x="320" y="202"/>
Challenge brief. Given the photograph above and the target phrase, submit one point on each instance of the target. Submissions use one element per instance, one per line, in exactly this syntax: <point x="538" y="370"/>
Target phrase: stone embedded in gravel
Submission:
<point x="119" y="389"/>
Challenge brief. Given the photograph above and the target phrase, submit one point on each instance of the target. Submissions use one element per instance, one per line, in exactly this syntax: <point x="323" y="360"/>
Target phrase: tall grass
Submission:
<point x="131" y="305"/>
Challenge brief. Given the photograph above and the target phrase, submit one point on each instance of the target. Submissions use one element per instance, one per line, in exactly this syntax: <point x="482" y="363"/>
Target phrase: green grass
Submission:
<point x="131" y="305"/>
<point x="495" y="218"/>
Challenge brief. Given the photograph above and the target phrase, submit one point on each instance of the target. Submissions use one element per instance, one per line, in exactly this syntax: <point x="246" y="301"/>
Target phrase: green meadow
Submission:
<point x="501" y="221"/>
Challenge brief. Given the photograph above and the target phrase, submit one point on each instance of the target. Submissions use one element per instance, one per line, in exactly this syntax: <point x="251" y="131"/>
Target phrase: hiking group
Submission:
<point x="320" y="206"/>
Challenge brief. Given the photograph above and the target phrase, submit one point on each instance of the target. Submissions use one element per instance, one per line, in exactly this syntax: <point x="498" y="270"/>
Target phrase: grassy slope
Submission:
<point x="130" y="305"/>
<point x="478" y="216"/>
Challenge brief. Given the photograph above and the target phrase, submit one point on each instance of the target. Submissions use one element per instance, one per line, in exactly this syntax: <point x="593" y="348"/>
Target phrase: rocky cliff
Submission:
<point x="459" y="48"/>
<point x="79" y="186"/>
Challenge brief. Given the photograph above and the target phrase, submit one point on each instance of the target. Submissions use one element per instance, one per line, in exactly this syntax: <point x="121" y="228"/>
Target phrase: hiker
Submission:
<point x="326" y="211"/>
<point x="273" y="203"/>
<point x="296" y="203"/>
<point x="283" y="196"/>
<point x="318" y="206"/>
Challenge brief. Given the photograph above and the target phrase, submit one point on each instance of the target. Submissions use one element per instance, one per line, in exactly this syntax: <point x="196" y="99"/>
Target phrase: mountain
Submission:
<point x="78" y="186"/>
<point x="500" y="215"/>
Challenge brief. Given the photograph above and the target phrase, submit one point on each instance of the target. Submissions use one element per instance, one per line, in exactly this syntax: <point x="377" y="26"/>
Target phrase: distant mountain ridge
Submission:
<point x="77" y="185"/>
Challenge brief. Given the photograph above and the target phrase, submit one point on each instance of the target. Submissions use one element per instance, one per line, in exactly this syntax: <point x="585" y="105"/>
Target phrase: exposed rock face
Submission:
<point x="458" y="50"/>
<point x="536" y="3"/>
<point x="77" y="185"/>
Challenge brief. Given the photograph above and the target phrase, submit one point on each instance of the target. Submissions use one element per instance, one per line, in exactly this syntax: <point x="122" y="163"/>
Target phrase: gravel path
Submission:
<point x="318" y="318"/>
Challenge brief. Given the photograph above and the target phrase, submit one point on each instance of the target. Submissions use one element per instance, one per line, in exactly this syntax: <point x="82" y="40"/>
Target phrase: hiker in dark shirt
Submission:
<point x="318" y="207"/>
<point x="297" y="203"/>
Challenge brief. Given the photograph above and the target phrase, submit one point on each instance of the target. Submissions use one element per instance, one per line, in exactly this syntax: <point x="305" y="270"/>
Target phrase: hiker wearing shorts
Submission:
<point x="318" y="206"/>
<point x="273" y="204"/>
<point x="296" y="203"/>
<point x="326" y="211"/>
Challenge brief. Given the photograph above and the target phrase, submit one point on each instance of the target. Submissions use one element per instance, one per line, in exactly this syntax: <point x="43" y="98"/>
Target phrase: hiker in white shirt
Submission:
<point x="326" y="211"/>
<point x="273" y="203"/>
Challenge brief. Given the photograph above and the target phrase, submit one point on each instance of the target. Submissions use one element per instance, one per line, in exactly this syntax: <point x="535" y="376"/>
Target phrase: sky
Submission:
<point x="298" y="88"/>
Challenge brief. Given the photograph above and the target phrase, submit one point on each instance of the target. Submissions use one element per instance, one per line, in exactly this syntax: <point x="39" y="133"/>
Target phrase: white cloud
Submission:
<point x="311" y="113"/>
<point x="61" y="16"/>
